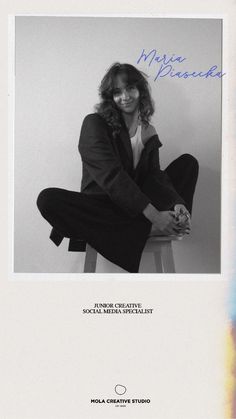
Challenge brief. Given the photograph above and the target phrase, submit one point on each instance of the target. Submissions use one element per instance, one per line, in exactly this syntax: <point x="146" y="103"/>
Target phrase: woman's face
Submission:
<point x="125" y="96"/>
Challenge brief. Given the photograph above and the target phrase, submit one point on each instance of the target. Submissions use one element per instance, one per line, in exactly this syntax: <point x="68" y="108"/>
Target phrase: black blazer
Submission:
<point x="108" y="168"/>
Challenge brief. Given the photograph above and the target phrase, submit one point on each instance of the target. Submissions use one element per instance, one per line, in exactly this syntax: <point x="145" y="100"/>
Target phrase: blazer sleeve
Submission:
<point x="161" y="175"/>
<point x="105" y="168"/>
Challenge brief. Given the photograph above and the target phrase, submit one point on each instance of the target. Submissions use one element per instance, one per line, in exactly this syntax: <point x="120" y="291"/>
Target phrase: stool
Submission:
<point x="160" y="246"/>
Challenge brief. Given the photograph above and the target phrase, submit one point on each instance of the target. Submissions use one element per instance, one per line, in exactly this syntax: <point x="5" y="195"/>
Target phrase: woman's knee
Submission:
<point x="190" y="161"/>
<point x="47" y="199"/>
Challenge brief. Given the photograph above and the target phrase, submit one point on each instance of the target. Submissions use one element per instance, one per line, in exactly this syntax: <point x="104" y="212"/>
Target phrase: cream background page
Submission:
<point x="55" y="359"/>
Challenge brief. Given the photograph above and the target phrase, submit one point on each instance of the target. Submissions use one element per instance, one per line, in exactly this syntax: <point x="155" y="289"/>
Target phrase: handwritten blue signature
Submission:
<point x="166" y="68"/>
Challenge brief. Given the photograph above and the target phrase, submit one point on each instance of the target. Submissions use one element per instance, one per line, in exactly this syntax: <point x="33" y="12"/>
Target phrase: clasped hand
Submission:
<point x="172" y="222"/>
<point x="183" y="218"/>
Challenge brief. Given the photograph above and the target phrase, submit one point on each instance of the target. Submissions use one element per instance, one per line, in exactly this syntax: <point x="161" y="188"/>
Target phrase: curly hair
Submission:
<point x="107" y="107"/>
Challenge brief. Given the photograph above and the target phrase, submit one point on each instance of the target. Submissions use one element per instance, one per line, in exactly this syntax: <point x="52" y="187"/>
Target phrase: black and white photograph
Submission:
<point x="117" y="144"/>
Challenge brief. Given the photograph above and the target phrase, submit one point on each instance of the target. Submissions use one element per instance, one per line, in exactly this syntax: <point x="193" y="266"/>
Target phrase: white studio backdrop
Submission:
<point x="59" y="63"/>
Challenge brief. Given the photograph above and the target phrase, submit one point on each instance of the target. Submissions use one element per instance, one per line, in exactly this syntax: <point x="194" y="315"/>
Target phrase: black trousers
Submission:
<point x="98" y="221"/>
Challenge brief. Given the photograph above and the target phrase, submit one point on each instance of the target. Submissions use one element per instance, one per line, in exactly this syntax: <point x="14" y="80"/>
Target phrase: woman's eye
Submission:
<point x="116" y="92"/>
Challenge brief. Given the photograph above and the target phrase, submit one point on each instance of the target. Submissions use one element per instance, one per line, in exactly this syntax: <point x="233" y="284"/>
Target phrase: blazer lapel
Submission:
<point x="124" y="138"/>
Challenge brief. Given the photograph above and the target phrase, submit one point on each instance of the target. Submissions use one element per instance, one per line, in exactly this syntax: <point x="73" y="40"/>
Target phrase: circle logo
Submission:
<point x="120" y="389"/>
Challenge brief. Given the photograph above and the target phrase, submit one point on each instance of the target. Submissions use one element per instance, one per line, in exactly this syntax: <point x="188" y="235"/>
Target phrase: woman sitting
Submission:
<point x="125" y="196"/>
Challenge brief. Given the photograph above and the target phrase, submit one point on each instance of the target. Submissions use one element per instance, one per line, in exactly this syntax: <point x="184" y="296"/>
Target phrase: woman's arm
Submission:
<point x="105" y="168"/>
<point x="163" y="222"/>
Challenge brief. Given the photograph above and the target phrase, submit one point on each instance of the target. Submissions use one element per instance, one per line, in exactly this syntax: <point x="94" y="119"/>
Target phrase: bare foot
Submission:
<point x="155" y="232"/>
